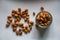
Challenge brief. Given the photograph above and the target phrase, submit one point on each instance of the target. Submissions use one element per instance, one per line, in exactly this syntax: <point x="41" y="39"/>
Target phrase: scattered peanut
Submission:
<point x="17" y="32"/>
<point x="20" y="32"/>
<point x="7" y="24"/>
<point x="14" y="29"/>
<point x="17" y="15"/>
<point x="33" y="13"/>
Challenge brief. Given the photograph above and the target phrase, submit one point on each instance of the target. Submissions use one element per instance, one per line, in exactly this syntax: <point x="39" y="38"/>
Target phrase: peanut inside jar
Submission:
<point x="43" y="18"/>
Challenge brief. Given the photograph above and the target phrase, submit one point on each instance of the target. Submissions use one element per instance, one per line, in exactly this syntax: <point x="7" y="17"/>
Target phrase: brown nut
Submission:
<point x="12" y="14"/>
<point x="19" y="16"/>
<point x="20" y="32"/>
<point x="26" y="10"/>
<point x="13" y="24"/>
<point x="30" y="25"/>
<point x="41" y="19"/>
<point x="45" y="20"/>
<point x="18" y="19"/>
<point x="10" y="18"/>
<point x="23" y="16"/>
<point x="14" y="29"/>
<point x="38" y="18"/>
<point x="7" y="24"/>
<point x="21" y="27"/>
<point x="15" y="20"/>
<point x="48" y="18"/>
<point x="14" y="11"/>
<point x="15" y="15"/>
<point x="31" y="22"/>
<point x="45" y="24"/>
<point x="42" y="24"/>
<point x="26" y="19"/>
<point x="44" y="16"/>
<point x="27" y="15"/>
<point x="41" y="14"/>
<point x="26" y="29"/>
<point x="33" y="13"/>
<point x="19" y="9"/>
<point x="17" y="23"/>
<point x="20" y="24"/>
<point x="19" y="13"/>
<point x="17" y="32"/>
<point x="23" y="13"/>
<point x="42" y="8"/>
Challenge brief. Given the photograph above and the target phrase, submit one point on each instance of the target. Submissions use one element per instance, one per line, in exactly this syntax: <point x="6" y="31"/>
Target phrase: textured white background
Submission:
<point x="52" y="6"/>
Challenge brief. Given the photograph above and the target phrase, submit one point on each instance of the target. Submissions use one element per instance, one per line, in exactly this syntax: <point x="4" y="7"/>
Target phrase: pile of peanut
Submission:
<point x="43" y="18"/>
<point x="14" y="21"/>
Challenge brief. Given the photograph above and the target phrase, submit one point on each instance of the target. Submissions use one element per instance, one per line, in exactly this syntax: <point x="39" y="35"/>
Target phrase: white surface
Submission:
<point x="53" y="33"/>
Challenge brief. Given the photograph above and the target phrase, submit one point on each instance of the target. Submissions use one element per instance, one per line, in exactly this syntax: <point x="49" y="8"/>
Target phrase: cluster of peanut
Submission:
<point x="15" y="18"/>
<point x="44" y="18"/>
